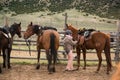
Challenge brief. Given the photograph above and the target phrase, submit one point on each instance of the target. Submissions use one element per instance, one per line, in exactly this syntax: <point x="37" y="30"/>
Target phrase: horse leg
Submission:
<point x="84" y="58"/>
<point x="100" y="60"/>
<point x="108" y="66"/>
<point x="0" y="69"/>
<point x="108" y="61"/>
<point x="4" y="58"/>
<point x="49" y="58"/>
<point x="0" y="64"/>
<point x="54" y="61"/>
<point x="9" y="52"/>
<point x="78" y="57"/>
<point x="108" y="56"/>
<point x="38" y="58"/>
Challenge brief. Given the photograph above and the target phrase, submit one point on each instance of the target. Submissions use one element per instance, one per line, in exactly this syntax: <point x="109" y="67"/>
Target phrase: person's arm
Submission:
<point x="73" y="42"/>
<point x="63" y="40"/>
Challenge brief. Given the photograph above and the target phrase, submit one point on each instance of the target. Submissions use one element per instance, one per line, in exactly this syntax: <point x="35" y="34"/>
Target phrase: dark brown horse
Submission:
<point x="48" y="40"/>
<point x="6" y="42"/>
<point x="98" y="41"/>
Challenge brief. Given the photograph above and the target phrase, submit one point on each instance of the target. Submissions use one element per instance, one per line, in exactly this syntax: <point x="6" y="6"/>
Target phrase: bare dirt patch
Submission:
<point x="23" y="71"/>
<point x="28" y="72"/>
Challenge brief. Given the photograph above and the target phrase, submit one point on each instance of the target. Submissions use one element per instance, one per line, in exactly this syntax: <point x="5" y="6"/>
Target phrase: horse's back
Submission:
<point x="3" y="40"/>
<point x="98" y="40"/>
<point x="46" y="36"/>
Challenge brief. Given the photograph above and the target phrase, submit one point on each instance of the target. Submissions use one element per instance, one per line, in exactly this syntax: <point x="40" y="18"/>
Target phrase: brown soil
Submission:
<point x="28" y="72"/>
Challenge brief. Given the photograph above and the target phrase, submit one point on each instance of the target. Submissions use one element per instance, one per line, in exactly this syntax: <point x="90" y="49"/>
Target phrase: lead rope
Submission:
<point x="28" y="43"/>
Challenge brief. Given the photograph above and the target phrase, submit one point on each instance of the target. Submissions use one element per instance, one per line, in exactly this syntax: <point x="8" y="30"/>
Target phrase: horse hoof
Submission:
<point x="9" y="67"/>
<point x="77" y="68"/>
<point x="96" y="71"/>
<point x="53" y="70"/>
<point x="38" y="66"/>
<point x="4" y="66"/>
<point x="50" y="72"/>
<point x="0" y="70"/>
<point x="84" y="68"/>
<point x="107" y="73"/>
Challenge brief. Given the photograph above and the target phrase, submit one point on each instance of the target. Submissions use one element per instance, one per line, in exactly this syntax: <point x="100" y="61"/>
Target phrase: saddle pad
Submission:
<point x="7" y="35"/>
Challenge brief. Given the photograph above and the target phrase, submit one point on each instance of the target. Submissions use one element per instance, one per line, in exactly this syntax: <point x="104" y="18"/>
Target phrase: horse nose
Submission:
<point x="24" y="36"/>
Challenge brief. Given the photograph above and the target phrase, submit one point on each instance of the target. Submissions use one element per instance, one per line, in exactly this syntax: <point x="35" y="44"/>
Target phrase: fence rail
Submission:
<point x="19" y="44"/>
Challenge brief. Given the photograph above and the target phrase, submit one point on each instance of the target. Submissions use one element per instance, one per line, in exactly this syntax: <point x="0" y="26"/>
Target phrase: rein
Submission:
<point x="28" y="43"/>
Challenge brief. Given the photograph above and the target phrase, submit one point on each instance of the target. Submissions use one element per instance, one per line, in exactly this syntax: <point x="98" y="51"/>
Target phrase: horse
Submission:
<point x="6" y="44"/>
<point x="116" y="74"/>
<point x="48" y="40"/>
<point x="98" y="41"/>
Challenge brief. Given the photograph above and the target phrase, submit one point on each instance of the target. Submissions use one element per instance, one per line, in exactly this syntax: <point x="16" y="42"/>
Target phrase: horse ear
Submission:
<point x="20" y="23"/>
<point x="31" y="23"/>
<point x="84" y="29"/>
<point x="66" y="25"/>
<point x="70" y="25"/>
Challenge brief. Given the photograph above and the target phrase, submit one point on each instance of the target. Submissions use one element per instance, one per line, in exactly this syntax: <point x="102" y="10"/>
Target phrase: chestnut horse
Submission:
<point x="48" y="40"/>
<point x="6" y="44"/>
<point x="98" y="41"/>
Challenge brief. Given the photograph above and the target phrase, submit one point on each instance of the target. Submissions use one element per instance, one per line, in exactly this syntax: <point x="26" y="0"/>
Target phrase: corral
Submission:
<point x="23" y="65"/>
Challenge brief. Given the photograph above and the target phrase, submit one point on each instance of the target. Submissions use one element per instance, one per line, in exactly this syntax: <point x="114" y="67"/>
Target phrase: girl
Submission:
<point x="68" y="47"/>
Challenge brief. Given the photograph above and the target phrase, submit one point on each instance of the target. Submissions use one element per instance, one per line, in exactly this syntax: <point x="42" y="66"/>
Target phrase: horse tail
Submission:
<point x="107" y="51"/>
<point x="52" y="47"/>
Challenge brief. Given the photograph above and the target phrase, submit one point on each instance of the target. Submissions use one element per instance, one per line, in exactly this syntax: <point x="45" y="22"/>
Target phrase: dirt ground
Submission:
<point x="28" y="72"/>
<point x="25" y="71"/>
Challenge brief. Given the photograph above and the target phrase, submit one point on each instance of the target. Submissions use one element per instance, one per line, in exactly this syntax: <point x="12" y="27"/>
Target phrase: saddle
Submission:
<point x="7" y="34"/>
<point x="85" y="34"/>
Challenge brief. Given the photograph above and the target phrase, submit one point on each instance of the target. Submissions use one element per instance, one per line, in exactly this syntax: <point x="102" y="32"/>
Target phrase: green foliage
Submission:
<point x="102" y="8"/>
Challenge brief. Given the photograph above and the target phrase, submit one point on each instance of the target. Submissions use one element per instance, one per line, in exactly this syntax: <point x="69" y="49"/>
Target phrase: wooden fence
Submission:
<point x="20" y="45"/>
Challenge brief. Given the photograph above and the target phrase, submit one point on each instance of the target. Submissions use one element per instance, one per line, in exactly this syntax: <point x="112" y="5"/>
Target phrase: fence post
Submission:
<point x="65" y="20"/>
<point x="117" y="55"/>
<point x="65" y="28"/>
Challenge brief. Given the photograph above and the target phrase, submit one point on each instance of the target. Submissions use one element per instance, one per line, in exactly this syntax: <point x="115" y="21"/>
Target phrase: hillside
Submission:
<point x="102" y="8"/>
<point x="81" y="13"/>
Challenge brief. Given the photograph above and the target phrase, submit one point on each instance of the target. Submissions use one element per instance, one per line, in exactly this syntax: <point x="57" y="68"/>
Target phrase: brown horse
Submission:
<point x="98" y="41"/>
<point x="116" y="74"/>
<point x="6" y="44"/>
<point x="48" y="40"/>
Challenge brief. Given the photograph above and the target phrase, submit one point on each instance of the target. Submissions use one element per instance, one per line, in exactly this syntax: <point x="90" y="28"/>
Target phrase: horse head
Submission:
<point x="31" y="30"/>
<point x="16" y="29"/>
<point x="73" y="29"/>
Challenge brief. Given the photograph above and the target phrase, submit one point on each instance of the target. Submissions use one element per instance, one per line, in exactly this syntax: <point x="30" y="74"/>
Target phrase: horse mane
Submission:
<point x="13" y="27"/>
<point x="46" y="28"/>
<point x="36" y="28"/>
<point x="82" y="31"/>
<point x="71" y="27"/>
<point x="74" y="31"/>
